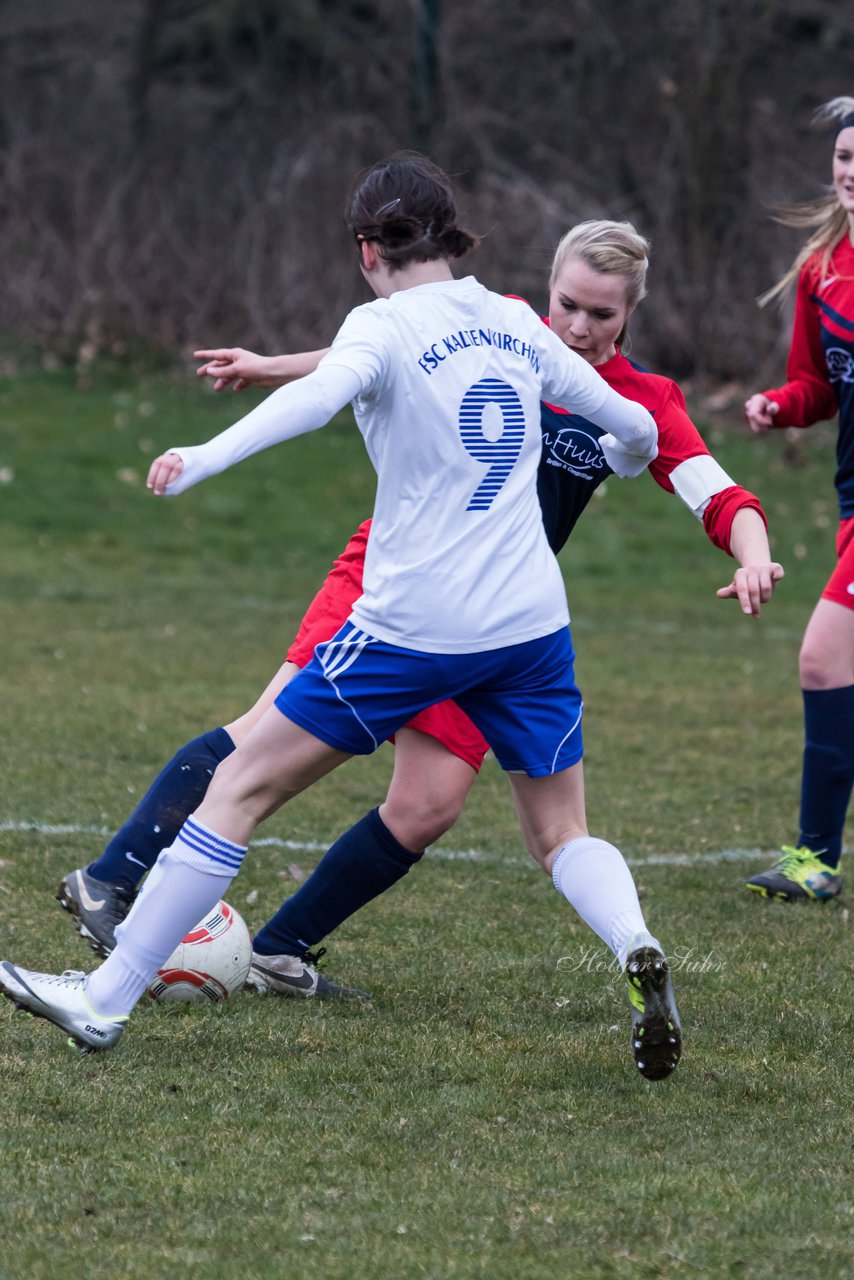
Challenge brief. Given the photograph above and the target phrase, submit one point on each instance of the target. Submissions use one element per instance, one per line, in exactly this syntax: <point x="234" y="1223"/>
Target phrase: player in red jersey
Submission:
<point x="819" y="384"/>
<point x="598" y="278"/>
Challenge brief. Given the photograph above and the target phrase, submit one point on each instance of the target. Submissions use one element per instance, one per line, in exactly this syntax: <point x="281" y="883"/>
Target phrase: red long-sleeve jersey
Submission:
<point x="820" y="368"/>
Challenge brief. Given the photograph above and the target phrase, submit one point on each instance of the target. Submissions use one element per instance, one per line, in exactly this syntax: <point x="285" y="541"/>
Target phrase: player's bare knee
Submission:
<point x="817" y="668"/>
<point x="237" y="785"/>
<point x="423" y="820"/>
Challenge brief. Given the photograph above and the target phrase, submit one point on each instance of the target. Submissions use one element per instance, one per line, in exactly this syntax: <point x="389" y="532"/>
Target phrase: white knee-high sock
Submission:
<point x="184" y="884"/>
<point x="593" y="877"/>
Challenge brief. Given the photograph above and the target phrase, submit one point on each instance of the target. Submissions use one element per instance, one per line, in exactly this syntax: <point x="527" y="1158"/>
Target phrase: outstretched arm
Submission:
<point x="754" y="582"/>
<point x="237" y="368"/>
<point x="732" y="517"/>
<point x="293" y="410"/>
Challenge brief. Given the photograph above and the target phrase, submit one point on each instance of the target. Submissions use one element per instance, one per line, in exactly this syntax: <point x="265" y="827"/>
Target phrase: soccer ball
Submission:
<point x="211" y="963"/>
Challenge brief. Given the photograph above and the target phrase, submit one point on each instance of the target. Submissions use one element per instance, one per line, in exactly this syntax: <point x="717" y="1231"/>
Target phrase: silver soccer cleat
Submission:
<point x="61" y="999"/>
<point x="296" y="976"/>
<point x="98" y="906"/>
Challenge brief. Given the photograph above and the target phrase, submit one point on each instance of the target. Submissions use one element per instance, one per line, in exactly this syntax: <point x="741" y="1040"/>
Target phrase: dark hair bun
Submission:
<point x="406" y="206"/>
<point x="455" y="241"/>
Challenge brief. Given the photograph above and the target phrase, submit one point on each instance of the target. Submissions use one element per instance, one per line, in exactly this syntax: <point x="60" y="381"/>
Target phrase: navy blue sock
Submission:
<point x="361" y="865"/>
<point x="155" y="822"/>
<point x="828" y="773"/>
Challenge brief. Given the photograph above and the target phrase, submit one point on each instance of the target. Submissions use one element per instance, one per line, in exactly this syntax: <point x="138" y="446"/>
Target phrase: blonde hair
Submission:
<point x="611" y="248"/>
<point x="825" y="214"/>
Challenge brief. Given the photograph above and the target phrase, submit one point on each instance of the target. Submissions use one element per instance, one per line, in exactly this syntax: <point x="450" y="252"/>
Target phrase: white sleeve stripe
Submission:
<point x="697" y="480"/>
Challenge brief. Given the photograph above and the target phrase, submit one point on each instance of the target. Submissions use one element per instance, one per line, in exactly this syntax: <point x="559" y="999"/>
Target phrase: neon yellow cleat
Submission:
<point x="799" y="874"/>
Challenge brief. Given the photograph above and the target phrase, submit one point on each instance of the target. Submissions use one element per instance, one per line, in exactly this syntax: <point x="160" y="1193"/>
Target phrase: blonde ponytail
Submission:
<point x="826" y="215"/>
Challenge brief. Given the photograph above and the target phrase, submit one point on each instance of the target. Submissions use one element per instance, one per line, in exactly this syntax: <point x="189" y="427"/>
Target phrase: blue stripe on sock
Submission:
<point x="211" y="845"/>
<point x="233" y="864"/>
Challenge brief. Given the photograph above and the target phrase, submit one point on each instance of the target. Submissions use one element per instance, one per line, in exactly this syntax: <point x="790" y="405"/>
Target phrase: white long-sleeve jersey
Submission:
<point x="446" y="381"/>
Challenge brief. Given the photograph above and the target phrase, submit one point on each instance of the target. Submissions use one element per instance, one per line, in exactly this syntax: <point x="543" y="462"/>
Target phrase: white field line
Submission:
<point x="446" y="855"/>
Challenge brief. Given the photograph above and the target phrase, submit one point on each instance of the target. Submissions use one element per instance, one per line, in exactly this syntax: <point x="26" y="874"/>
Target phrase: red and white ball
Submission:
<point x="210" y="964"/>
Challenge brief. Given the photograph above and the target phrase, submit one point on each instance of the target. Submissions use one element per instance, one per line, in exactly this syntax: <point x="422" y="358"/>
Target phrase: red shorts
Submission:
<point x="840" y="588"/>
<point x="331" y="608"/>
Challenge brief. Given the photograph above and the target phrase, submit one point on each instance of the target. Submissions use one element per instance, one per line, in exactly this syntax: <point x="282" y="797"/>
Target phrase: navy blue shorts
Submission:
<point x="357" y="691"/>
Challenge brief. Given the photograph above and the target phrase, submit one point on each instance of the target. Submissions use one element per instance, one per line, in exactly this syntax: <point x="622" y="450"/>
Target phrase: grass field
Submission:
<point x="481" y="1118"/>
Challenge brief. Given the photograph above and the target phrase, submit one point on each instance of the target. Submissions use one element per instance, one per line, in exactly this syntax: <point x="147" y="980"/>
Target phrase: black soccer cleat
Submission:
<point x="656" y="1031"/>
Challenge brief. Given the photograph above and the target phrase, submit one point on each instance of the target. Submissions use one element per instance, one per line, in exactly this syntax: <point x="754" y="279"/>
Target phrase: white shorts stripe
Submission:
<point x="347" y="650"/>
<point x="568" y="735"/>
<point x="341" y="654"/>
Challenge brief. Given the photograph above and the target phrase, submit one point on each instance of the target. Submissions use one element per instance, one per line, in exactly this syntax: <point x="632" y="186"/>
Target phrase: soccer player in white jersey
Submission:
<point x="462" y="599"/>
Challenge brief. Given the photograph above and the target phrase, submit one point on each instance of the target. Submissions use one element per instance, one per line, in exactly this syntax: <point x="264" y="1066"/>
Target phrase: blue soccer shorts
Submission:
<point x="357" y="691"/>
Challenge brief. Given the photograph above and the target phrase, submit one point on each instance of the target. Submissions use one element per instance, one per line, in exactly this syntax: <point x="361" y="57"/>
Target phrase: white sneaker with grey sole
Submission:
<point x="61" y="999"/>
